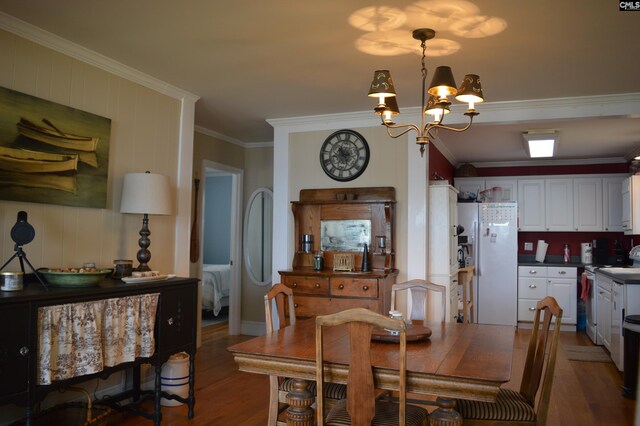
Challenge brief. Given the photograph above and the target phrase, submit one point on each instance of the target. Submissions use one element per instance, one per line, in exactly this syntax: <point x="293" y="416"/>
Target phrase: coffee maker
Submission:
<point x="600" y="251"/>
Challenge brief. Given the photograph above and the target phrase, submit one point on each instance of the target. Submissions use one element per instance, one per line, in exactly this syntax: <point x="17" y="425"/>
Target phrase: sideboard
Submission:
<point x="339" y="222"/>
<point x="174" y="331"/>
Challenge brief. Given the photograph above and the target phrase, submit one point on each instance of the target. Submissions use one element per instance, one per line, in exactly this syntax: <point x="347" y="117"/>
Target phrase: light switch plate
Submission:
<point x="528" y="246"/>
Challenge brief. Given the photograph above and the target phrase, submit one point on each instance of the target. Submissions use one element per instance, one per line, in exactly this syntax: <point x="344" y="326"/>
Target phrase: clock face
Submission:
<point x="344" y="155"/>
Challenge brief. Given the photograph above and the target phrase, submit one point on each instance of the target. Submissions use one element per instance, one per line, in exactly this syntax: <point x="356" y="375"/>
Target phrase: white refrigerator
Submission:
<point x="492" y="235"/>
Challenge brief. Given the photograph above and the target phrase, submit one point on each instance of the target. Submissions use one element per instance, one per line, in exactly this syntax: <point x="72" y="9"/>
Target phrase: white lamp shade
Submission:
<point x="146" y="193"/>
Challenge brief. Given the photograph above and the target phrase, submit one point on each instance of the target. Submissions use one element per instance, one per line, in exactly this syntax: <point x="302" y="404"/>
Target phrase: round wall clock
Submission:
<point x="344" y="155"/>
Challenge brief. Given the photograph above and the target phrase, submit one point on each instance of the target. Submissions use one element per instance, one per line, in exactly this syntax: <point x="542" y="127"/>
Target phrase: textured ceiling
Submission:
<point x="253" y="60"/>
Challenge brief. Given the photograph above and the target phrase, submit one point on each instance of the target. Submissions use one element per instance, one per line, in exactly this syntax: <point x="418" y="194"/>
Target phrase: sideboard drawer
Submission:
<point x="307" y="285"/>
<point x="354" y="287"/>
<point x="309" y="306"/>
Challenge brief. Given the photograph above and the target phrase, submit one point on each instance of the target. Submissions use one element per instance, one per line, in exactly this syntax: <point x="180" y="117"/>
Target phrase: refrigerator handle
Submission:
<point x="476" y="248"/>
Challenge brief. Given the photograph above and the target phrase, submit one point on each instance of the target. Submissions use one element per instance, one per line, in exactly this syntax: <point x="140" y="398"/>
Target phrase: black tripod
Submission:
<point x="22" y="257"/>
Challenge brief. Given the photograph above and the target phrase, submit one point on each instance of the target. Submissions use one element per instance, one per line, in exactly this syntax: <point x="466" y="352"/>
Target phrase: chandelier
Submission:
<point x="437" y="105"/>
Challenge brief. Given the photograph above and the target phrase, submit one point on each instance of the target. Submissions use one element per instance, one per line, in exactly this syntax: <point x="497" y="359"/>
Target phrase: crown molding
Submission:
<point x="64" y="46"/>
<point x="566" y="162"/>
<point x="225" y="138"/>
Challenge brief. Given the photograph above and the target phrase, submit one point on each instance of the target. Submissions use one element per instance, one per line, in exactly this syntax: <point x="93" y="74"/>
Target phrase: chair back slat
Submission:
<point x="360" y="382"/>
<point x="283" y="298"/>
<point x="416" y="291"/>
<point x="541" y="357"/>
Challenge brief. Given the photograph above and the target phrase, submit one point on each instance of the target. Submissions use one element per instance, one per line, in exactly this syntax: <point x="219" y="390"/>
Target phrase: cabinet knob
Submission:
<point x="295" y="305"/>
<point x="533" y="272"/>
<point x="562" y="272"/>
<point x="341" y="286"/>
<point x="294" y="285"/>
<point x="170" y="321"/>
<point x="24" y="351"/>
<point x="365" y="287"/>
<point x="533" y="286"/>
<point x="532" y="308"/>
<point x="317" y="285"/>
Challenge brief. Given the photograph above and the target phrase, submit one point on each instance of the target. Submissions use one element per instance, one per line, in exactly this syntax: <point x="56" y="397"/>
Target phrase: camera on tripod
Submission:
<point x="23" y="233"/>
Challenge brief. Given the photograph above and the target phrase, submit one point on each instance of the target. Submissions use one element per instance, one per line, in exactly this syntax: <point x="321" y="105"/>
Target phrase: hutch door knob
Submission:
<point x="24" y="351"/>
<point x="170" y="321"/>
<point x="341" y="286"/>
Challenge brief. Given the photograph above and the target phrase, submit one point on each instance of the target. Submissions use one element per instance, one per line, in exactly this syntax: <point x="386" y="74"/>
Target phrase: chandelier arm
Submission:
<point x="407" y="128"/>
<point x="430" y="126"/>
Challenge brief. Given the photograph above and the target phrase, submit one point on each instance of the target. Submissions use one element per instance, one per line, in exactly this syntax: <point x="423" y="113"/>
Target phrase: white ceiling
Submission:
<point x="253" y="60"/>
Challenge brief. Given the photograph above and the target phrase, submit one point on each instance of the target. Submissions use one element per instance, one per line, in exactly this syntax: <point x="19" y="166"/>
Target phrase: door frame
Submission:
<point x="235" y="241"/>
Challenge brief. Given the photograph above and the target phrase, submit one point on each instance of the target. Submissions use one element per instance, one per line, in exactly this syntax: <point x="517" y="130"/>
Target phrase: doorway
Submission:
<point x="220" y="244"/>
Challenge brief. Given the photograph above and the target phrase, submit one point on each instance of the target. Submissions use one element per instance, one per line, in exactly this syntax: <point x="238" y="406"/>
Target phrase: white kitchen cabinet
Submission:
<point x="603" y="330"/>
<point x="562" y="286"/>
<point x="537" y="282"/>
<point x="559" y="204"/>
<point x="631" y="205"/>
<point x="617" y="304"/>
<point x="531" y="205"/>
<point x="443" y="243"/>
<point x="587" y="204"/>
<point x="509" y="188"/>
<point x="612" y="203"/>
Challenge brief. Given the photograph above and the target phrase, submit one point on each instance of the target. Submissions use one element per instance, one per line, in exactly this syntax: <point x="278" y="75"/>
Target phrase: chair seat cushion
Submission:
<point x="509" y="405"/>
<point x="386" y="415"/>
<point x="331" y="390"/>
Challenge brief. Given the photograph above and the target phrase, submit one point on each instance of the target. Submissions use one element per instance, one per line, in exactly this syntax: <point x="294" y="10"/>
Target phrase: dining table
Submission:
<point x="467" y="361"/>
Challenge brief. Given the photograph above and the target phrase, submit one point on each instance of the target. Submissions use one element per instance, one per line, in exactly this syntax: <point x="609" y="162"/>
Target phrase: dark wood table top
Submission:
<point x="458" y="360"/>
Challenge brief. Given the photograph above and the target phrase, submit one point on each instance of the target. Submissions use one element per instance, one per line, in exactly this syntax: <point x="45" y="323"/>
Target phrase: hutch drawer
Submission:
<point x="307" y="285"/>
<point x="307" y="306"/>
<point x="354" y="287"/>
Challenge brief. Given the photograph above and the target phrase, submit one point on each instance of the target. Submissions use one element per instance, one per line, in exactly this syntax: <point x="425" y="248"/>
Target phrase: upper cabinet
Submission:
<point x="582" y="203"/>
<point x="588" y="205"/>
<point x="559" y="204"/>
<point x="531" y="205"/>
<point x="612" y="203"/>
<point x="631" y="205"/>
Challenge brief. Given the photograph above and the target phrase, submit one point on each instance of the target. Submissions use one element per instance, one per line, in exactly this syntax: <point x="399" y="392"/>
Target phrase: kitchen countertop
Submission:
<point x="622" y="278"/>
<point x="555" y="264"/>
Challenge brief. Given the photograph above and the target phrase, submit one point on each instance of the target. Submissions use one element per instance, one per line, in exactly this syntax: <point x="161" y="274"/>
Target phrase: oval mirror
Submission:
<point x="257" y="236"/>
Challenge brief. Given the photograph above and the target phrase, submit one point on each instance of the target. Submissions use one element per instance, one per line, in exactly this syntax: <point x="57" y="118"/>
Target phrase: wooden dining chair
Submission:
<point x="361" y="407"/>
<point x="520" y="408"/>
<point x="416" y="291"/>
<point x="279" y="387"/>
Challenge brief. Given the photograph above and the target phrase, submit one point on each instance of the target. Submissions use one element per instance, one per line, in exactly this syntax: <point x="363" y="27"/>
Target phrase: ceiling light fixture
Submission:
<point x="437" y="105"/>
<point x="541" y="143"/>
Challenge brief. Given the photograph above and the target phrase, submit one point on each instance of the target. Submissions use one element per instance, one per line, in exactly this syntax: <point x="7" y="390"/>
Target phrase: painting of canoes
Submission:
<point x="51" y="153"/>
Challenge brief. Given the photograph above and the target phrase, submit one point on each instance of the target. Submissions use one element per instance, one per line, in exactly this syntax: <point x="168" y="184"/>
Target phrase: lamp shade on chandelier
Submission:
<point x="435" y="100"/>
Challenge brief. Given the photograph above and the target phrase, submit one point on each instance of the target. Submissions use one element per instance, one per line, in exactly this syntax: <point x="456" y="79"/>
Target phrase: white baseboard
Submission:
<point x="526" y="325"/>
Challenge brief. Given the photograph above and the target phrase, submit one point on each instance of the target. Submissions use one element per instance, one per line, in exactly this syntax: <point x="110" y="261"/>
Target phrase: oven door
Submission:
<point x="592" y="300"/>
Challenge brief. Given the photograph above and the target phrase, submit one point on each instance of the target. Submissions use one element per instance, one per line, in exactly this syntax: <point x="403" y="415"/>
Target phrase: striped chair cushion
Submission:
<point x="509" y="406"/>
<point x="331" y="390"/>
<point x="386" y="415"/>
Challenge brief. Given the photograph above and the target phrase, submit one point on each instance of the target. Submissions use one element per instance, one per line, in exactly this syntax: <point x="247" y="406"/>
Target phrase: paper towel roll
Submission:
<point x="541" y="251"/>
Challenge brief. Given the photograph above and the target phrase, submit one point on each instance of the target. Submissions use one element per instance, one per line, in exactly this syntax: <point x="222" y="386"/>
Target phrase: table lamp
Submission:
<point x="146" y="193"/>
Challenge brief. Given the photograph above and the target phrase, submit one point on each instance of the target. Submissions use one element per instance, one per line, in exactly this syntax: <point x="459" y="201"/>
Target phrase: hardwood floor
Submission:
<point x="584" y="393"/>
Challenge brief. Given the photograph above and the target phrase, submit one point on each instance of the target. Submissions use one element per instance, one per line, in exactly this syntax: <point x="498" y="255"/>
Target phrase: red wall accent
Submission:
<point x="557" y="240"/>
<point x="439" y="164"/>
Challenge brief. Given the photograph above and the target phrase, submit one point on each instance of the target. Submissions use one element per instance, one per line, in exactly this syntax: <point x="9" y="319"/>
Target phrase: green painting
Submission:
<point x="51" y="153"/>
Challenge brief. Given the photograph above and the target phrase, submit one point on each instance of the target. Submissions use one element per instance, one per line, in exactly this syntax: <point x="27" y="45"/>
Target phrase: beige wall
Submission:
<point x="144" y="136"/>
<point x="257" y="167"/>
<point x="387" y="167"/>
<point x="258" y="174"/>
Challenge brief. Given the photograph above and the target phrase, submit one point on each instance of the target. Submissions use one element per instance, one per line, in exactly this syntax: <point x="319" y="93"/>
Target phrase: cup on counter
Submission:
<point x="122" y="268"/>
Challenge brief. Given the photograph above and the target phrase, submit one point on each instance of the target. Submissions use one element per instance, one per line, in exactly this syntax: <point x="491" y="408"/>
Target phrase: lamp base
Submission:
<point x="144" y="255"/>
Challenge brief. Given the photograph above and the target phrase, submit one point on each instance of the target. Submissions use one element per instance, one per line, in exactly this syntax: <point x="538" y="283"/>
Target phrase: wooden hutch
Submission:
<point x="322" y="211"/>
